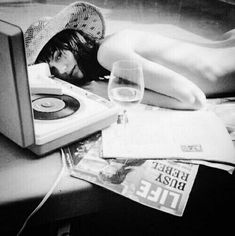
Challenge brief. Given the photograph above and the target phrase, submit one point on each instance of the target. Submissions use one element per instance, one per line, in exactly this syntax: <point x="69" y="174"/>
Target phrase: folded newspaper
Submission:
<point x="161" y="184"/>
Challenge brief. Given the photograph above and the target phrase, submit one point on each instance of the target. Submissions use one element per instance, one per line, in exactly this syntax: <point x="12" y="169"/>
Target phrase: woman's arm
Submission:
<point x="150" y="97"/>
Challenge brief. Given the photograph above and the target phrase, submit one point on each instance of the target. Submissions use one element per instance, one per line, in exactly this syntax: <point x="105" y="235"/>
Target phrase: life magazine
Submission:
<point x="161" y="184"/>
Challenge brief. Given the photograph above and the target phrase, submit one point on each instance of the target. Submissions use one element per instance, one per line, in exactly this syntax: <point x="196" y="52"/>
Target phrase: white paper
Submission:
<point x="224" y="108"/>
<point x="162" y="133"/>
<point x="225" y="167"/>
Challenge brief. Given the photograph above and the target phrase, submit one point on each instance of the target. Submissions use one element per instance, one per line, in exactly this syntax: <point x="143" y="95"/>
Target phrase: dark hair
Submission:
<point x="84" y="48"/>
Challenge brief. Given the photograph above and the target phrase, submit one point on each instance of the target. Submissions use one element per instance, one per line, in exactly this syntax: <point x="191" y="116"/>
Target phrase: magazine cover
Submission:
<point x="161" y="184"/>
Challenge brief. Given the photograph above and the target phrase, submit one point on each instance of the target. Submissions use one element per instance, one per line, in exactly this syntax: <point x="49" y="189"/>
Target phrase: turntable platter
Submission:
<point x="51" y="107"/>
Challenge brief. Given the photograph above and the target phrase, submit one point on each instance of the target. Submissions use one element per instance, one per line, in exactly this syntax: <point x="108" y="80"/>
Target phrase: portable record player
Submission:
<point x="44" y="121"/>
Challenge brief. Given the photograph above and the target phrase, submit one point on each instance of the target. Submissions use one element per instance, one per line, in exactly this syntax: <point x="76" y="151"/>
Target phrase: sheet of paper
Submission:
<point x="224" y="108"/>
<point x="226" y="167"/>
<point x="161" y="133"/>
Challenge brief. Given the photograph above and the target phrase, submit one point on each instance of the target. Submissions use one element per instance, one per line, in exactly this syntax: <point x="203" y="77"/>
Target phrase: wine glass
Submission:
<point x="126" y="86"/>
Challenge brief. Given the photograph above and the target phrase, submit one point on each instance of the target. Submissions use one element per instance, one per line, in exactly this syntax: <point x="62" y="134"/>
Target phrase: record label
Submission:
<point x="48" y="104"/>
<point x="54" y="107"/>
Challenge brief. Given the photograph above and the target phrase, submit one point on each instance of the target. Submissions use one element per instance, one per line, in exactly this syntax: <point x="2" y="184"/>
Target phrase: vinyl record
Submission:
<point x="54" y="107"/>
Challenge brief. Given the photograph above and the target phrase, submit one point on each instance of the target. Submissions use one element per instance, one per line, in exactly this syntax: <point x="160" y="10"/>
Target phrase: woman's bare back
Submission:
<point x="207" y="65"/>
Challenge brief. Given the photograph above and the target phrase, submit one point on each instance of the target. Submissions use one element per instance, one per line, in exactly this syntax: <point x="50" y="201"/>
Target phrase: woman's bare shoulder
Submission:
<point x="117" y="46"/>
<point x="123" y="36"/>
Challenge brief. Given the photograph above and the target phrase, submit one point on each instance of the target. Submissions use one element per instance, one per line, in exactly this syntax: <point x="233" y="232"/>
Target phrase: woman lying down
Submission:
<point x="180" y="74"/>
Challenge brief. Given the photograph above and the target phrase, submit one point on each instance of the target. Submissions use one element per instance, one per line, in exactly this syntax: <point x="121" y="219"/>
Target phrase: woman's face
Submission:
<point x="64" y="66"/>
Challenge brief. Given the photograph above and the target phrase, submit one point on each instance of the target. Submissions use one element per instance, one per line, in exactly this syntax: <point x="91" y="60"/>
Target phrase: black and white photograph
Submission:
<point x="117" y="117"/>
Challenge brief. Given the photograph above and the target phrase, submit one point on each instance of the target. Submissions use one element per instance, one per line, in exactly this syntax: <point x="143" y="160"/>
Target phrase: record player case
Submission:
<point x="16" y="113"/>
